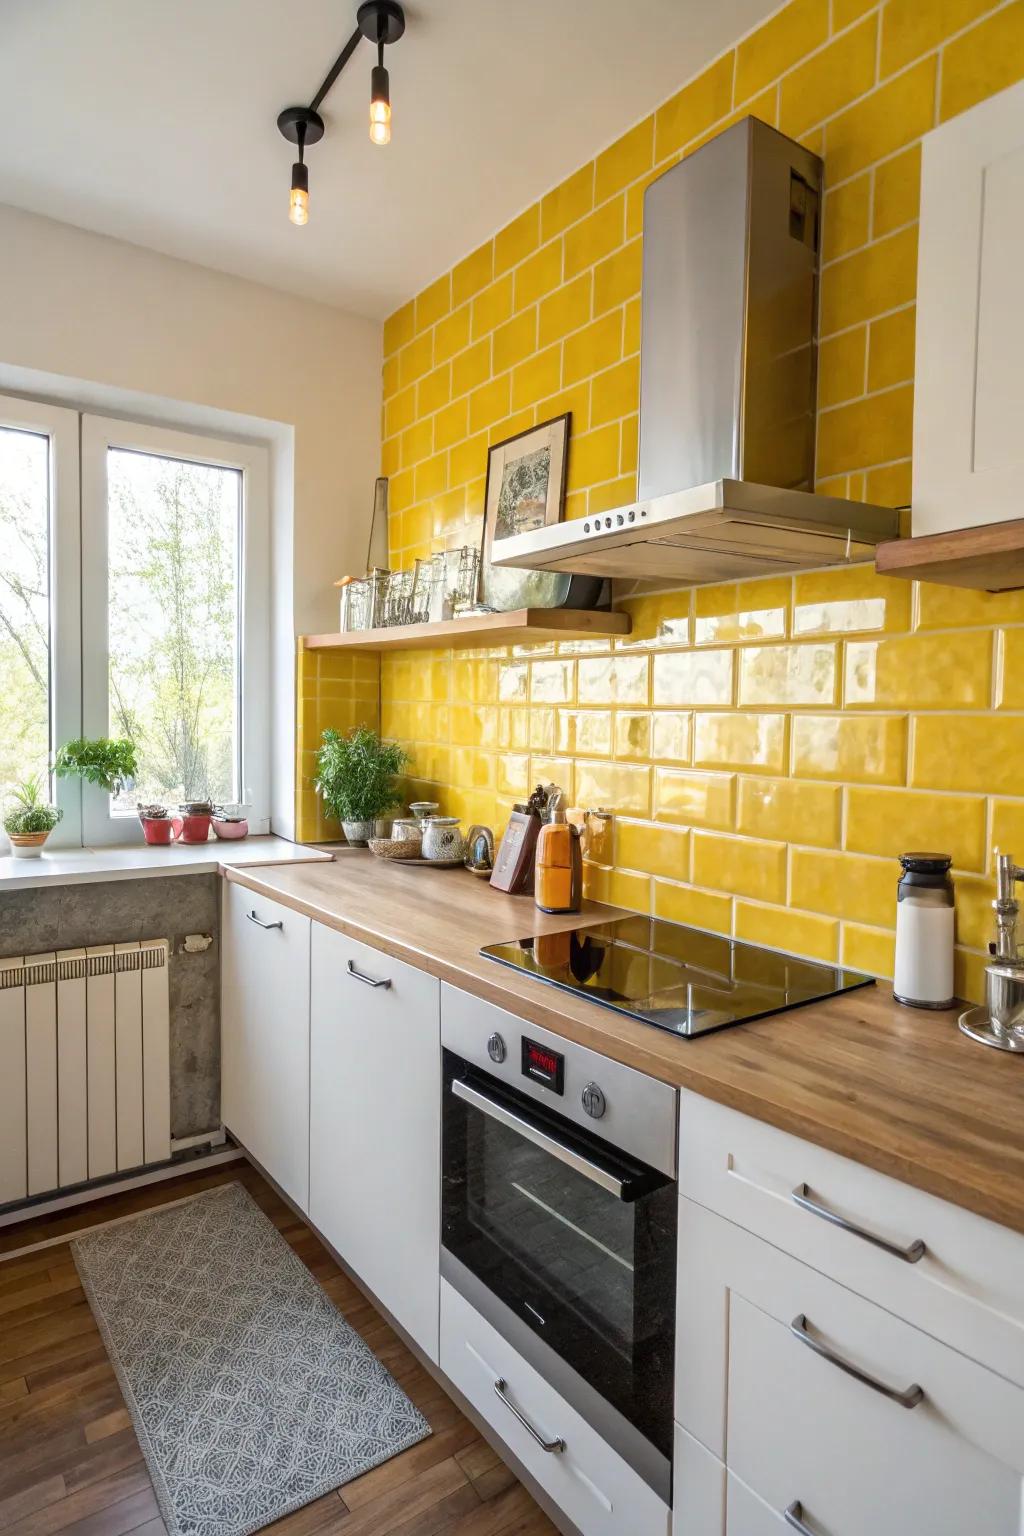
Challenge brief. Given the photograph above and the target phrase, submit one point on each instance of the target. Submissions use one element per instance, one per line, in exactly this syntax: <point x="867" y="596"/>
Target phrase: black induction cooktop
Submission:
<point x="681" y="979"/>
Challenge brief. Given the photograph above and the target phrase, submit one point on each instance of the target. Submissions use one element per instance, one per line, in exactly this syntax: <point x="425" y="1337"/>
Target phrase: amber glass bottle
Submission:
<point x="558" y="883"/>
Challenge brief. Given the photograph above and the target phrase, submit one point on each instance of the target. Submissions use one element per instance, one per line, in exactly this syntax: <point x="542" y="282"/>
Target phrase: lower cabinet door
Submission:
<point x="265" y="1035"/>
<point x="831" y="1407"/>
<point x="579" y="1471"/>
<point x="375" y="1116"/>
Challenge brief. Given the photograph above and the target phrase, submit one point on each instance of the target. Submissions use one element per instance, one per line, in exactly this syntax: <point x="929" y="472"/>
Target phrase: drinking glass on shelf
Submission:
<point x="463" y="578"/>
<point x="398" y="598"/>
<point x="419" y="608"/>
<point x="357" y="604"/>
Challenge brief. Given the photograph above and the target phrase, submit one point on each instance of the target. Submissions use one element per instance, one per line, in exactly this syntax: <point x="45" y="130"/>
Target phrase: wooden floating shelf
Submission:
<point x="986" y="559"/>
<point x="521" y="626"/>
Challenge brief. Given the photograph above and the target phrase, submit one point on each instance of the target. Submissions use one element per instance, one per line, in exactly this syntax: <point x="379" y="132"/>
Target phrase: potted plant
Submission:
<point x="355" y="778"/>
<point x="30" y="820"/>
<point x="109" y="763"/>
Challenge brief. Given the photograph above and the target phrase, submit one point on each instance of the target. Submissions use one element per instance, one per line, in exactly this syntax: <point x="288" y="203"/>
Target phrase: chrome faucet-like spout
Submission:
<point x="1006" y="907"/>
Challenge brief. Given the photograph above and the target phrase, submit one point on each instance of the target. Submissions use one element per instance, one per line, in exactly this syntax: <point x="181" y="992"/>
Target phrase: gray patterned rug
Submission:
<point x="250" y="1393"/>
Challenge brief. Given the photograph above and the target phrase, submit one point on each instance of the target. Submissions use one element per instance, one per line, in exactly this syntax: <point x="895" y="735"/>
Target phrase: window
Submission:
<point x="24" y="603"/>
<point x="161" y="566"/>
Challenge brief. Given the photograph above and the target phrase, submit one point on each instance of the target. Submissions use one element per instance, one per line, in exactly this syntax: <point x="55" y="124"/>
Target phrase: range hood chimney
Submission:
<point x="728" y="377"/>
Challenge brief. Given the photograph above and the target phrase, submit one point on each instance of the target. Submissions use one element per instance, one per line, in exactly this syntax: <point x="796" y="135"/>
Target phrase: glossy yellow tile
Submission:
<point x="654" y="849"/>
<point x="952" y="607"/>
<point x="868" y="949"/>
<point x="743" y="866"/>
<point x="695" y="799"/>
<point x="584" y="731"/>
<point x="671" y="736"/>
<point x="889" y="821"/>
<point x="975" y="924"/>
<point x="845" y="601"/>
<point x="789" y="811"/>
<point x="950" y="671"/>
<point x="1007" y="830"/>
<point x="613" y="680"/>
<point x="845" y="885"/>
<point x="1010" y="669"/>
<point x="663" y="620"/>
<point x="752" y="742"/>
<point x="830" y="78"/>
<point x="976" y="753"/>
<point x="787" y="674"/>
<point x="781" y="928"/>
<point x="694" y="677"/>
<point x="552" y="682"/>
<point x="632" y="732"/>
<point x="617" y="887"/>
<point x="969" y="975"/>
<point x="741" y="610"/>
<point x="869" y="749"/>
<point x="699" y="909"/>
<point x="619" y="787"/>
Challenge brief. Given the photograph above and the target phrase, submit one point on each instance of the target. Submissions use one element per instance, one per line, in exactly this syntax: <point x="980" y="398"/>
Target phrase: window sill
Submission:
<point x="84" y="866"/>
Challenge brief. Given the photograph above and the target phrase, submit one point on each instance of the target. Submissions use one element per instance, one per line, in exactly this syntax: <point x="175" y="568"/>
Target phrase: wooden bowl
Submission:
<point x="395" y="848"/>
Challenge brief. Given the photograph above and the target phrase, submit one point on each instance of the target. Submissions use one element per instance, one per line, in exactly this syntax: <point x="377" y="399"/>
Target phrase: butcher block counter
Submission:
<point x="897" y="1089"/>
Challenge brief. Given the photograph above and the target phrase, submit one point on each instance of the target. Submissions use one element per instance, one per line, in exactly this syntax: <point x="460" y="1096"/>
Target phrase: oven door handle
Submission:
<point x="539" y="1138"/>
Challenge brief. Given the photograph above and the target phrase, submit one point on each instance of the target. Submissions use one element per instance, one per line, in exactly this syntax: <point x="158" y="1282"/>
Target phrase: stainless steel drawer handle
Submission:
<point x="370" y="981"/>
<point x="908" y="1398"/>
<point x="260" y="923"/>
<point x="793" y="1515"/>
<point x="910" y="1254"/>
<point x="501" y="1388"/>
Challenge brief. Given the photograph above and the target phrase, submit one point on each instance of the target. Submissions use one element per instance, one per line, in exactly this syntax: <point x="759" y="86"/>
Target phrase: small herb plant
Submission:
<point x="30" y="813"/>
<point x="355" y="774"/>
<point x="110" y="764"/>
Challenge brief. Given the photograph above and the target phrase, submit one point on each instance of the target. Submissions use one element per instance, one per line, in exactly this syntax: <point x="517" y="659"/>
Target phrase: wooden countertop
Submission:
<point x="898" y="1089"/>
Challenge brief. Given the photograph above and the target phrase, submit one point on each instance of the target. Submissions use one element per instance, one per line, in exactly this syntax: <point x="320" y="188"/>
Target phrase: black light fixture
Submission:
<point x="381" y="21"/>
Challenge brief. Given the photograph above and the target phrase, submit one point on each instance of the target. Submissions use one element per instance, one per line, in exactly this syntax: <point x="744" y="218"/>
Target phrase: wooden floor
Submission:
<point x="69" y="1459"/>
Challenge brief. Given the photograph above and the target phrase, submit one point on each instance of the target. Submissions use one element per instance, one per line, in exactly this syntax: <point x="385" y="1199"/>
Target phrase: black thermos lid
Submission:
<point x="926" y="863"/>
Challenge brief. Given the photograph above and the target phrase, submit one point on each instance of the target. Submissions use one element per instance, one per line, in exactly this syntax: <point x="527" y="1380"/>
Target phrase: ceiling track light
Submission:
<point x="382" y="22"/>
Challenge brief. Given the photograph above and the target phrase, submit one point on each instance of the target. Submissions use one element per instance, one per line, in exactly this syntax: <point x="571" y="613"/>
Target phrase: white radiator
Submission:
<point x="84" y="1065"/>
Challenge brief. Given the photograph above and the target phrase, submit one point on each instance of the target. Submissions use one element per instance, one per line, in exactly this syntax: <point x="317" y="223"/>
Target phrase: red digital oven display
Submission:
<point x="543" y="1065"/>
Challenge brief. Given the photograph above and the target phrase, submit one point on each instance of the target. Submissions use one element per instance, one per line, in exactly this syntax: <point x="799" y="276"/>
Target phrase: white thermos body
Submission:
<point x="924" y="932"/>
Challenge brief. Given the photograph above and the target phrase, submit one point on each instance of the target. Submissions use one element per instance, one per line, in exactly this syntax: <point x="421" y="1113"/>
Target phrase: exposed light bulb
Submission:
<point x="380" y="106"/>
<point x="298" y="202"/>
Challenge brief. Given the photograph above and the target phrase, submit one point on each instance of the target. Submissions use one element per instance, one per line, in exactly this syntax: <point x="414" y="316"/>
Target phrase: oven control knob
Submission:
<point x="594" y="1101"/>
<point x="496" y="1048"/>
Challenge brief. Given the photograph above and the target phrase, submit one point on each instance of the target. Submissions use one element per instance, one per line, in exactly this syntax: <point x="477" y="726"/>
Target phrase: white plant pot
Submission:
<point x="30" y="847"/>
<point x="358" y="832"/>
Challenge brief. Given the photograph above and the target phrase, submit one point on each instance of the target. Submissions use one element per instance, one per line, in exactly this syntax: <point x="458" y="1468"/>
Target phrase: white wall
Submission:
<point x="96" y="322"/>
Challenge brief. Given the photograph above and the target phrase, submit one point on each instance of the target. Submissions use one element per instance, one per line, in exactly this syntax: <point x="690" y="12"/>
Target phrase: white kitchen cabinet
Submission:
<point x="375" y="1103"/>
<point x="795" y="1427"/>
<point x="969" y="385"/>
<point x="265" y="1035"/>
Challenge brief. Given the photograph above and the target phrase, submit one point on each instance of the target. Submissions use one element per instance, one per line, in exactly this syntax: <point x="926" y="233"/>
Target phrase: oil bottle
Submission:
<point x="558" y="881"/>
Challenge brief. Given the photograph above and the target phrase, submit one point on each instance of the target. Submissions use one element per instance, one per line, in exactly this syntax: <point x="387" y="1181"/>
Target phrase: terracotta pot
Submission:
<point x="29" y="845"/>
<point x="160" y="829"/>
<point x="194" y="829"/>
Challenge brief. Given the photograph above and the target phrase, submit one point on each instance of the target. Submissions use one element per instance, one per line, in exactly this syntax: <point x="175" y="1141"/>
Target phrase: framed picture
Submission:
<point x="525" y="489"/>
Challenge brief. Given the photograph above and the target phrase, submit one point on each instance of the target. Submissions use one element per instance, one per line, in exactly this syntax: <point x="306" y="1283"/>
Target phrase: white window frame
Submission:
<point x="100" y="433"/>
<point x="61" y="426"/>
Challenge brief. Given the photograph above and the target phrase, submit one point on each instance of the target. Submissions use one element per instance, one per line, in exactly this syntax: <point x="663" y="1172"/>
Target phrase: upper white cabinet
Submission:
<point x="265" y="1035"/>
<point x="375" y="1094"/>
<point x="969" y="387"/>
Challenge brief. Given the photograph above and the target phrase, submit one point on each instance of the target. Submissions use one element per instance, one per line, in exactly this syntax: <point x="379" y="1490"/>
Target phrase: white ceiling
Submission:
<point x="154" y="120"/>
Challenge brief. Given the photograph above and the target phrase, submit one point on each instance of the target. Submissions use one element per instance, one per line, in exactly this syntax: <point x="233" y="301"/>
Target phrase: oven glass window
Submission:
<point x="591" y="1274"/>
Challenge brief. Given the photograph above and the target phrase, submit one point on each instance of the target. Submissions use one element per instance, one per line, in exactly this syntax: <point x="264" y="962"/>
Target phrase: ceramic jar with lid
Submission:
<point x="442" y="840"/>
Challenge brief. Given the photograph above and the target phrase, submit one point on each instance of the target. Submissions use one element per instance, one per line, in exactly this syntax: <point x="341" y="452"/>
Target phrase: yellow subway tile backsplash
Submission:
<point x="699" y="909"/>
<point x="889" y="821"/>
<point x="844" y="601"/>
<point x="789" y="811"/>
<point x="787" y="674"/>
<point x="831" y="78"/>
<point x="948" y="671"/>
<point x="871" y="749"/>
<point x="782" y="928"/>
<point x="653" y="849"/>
<point x="751" y="741"/>
<point x="695" y="799"/>
<point x="790" y="803"/>
<point x="743" y="866"/>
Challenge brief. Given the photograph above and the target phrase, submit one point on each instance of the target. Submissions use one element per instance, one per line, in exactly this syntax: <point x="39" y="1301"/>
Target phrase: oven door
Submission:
<point x="573" y="1236"/>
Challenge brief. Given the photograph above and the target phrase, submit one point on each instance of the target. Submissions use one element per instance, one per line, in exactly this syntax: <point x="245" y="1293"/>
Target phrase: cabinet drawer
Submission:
<point x="800" y="1428"/>
<point x="965" y="1289"/>
<point x="698" y="1488"/>
<point x="589" y="1481"/>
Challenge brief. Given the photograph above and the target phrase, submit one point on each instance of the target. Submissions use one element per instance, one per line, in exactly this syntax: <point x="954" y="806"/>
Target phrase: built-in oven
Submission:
<point x="559" y="1210"/>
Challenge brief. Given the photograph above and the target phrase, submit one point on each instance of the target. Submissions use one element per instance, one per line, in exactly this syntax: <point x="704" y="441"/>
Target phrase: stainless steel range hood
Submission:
<point x="728" y="376"/>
